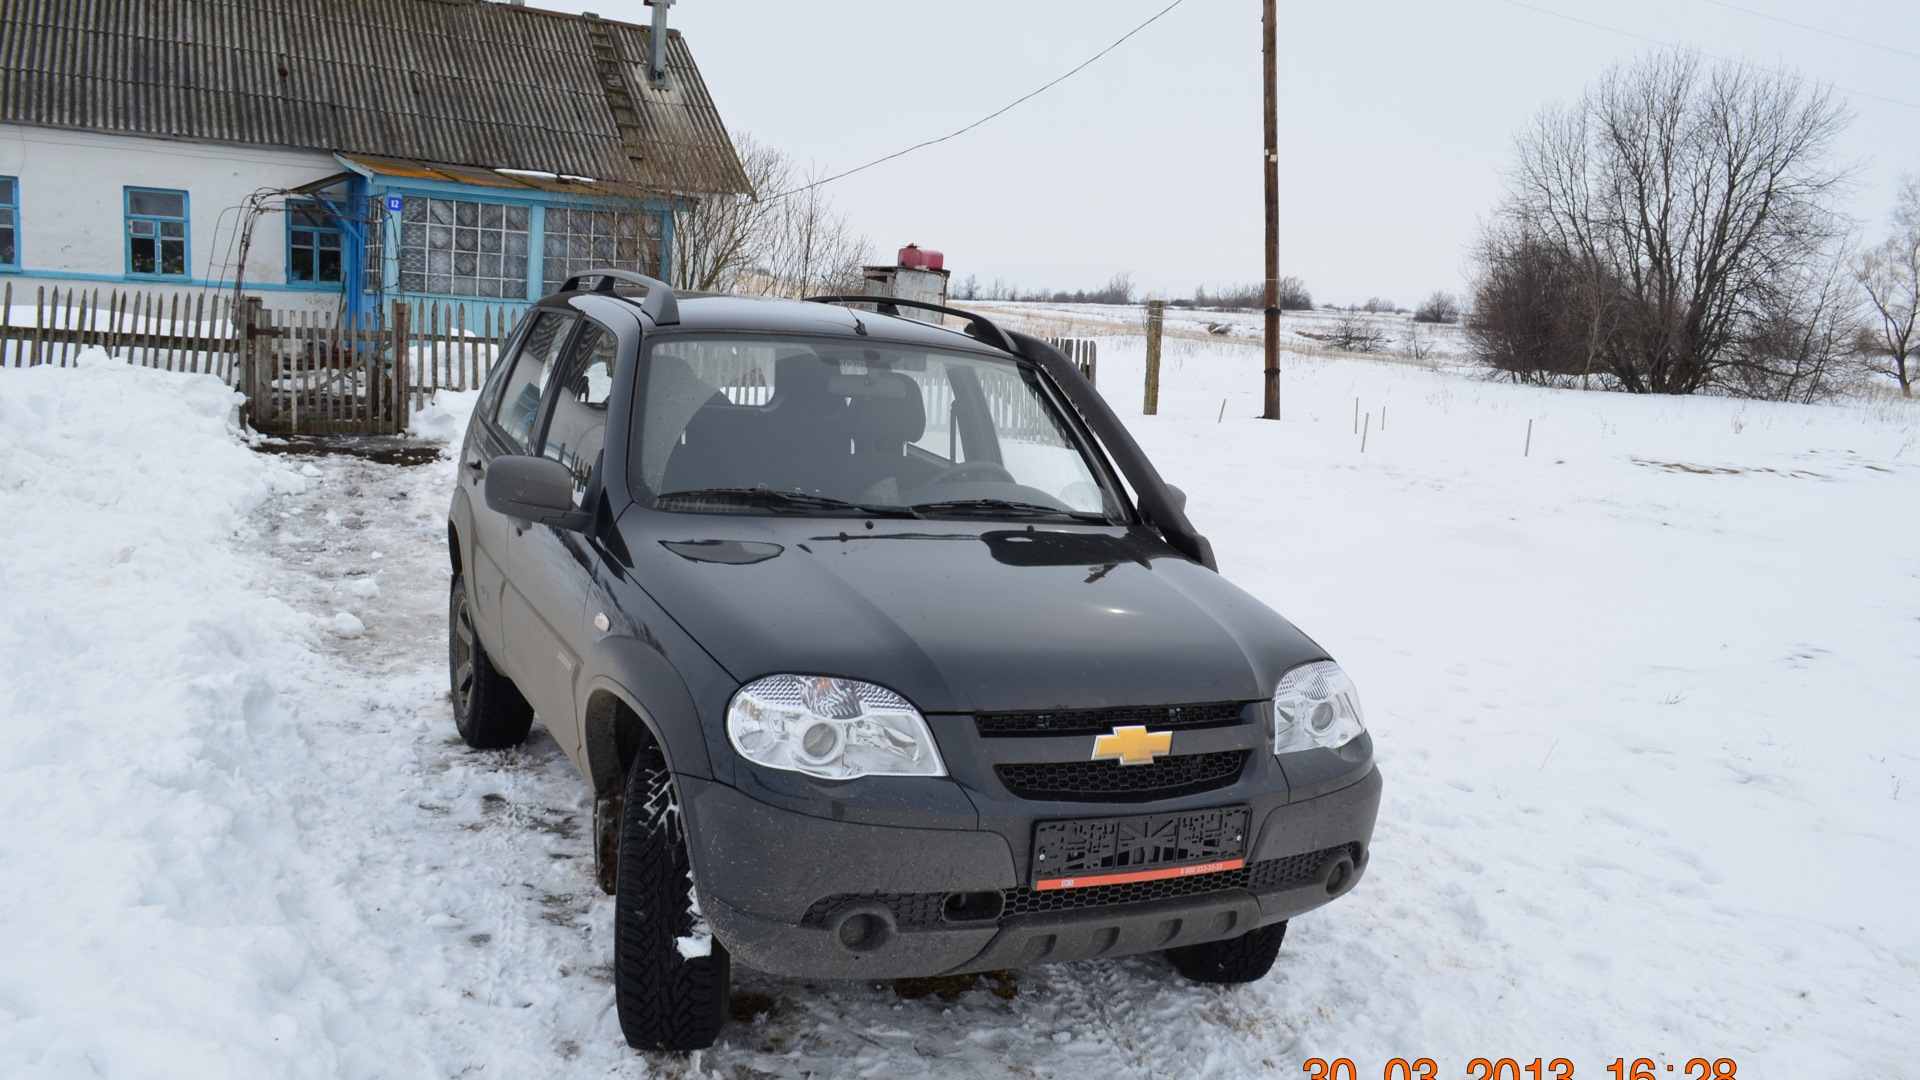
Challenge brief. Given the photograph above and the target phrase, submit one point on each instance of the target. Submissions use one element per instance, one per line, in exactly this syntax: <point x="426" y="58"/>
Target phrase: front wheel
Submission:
<point x="1232" y="960"/>
<point x="487" y="707"/>
<point x="670" y="973"/>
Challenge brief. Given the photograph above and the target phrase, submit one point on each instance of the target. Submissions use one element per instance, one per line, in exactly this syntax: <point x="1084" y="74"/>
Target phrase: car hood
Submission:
<point x="963" y="617"/>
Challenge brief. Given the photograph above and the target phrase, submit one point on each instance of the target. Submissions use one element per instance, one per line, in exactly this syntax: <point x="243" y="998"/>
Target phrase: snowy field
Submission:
<point x="1644" y="692"/>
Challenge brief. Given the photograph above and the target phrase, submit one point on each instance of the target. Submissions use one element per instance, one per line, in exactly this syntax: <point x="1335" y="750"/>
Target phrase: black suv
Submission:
<point x="886" y="653"/>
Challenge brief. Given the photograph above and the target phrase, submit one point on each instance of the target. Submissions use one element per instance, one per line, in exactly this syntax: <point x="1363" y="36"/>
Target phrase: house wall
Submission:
<point x="72" y="216"/>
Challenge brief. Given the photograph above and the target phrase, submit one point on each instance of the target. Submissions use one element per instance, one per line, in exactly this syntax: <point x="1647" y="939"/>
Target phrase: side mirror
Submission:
<point x="534" y="489"/>
<point x="1179" y="498"/>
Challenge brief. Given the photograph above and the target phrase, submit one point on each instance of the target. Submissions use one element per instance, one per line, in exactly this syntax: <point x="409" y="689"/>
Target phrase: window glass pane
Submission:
<point x="173" y="257"/>
<point x="6" y="190"/>
<point x="140" y="228"/>
<point x="157" y="203"/>
<point x="330" y="264"/>
<point x="578" y="428"/>
<point x="302" y="267"/>
<point x="876" y="424"/>
<point x="141" y="255"/>
<point x="6" y="216"/>
<point x="497" y="374"/>
<point x="452" y="251"/>
<point x="173" y="228"/>
<point x="520" y="396"/>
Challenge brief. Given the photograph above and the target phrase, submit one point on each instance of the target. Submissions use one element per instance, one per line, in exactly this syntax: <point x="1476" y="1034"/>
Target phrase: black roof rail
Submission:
<point x="884" y="303"/>
<point x="659" y="303"/>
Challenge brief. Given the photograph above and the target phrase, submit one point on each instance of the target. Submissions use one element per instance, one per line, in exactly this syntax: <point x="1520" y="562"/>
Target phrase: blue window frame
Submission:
<point x="9" y="223"/>
<point x="315" y="244"/>
<point x="156" y="232"/>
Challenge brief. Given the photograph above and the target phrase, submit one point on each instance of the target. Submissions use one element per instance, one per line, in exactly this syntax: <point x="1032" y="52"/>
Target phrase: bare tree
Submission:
<point x="718" y="238"/>
<point x="1682" y="214"/>
<point x="1441" y="307"/>
<point x="1292" y="291"/>
<point x="1351" y="333"/>
<point x="776" y="240"/>
<point x="811" y="250"/>
<point x="1890" y="274"/>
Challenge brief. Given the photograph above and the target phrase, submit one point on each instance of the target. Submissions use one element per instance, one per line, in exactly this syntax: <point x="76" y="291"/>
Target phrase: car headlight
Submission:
<point x="1315" y="705"/>
<point x="832" y="728"/>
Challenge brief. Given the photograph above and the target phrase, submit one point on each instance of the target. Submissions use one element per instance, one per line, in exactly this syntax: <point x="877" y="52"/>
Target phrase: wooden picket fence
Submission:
<point x="174" y="333"/>
<point x="1084" y="352"/>
<point x="304" y="372"/>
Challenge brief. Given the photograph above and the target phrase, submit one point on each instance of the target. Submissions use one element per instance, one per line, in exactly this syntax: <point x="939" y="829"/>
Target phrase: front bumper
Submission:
<point x="795" y="894"/>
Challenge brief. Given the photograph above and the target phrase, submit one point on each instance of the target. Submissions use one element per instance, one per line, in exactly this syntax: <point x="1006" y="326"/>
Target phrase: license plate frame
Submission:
<point x="1084" y="852"/>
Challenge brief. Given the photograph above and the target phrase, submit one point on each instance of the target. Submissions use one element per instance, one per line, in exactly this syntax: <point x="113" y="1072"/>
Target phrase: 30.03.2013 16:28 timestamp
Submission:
<point x="1512" y="1069"/>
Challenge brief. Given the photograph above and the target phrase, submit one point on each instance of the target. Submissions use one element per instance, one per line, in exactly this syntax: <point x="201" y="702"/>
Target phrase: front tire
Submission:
<point x="666" y="1000"/>
<point x="1232" y="960"/>
<point x="487" y="707"/>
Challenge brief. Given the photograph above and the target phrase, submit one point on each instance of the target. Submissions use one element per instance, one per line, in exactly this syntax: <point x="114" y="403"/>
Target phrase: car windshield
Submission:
<point x="804" y="426"/>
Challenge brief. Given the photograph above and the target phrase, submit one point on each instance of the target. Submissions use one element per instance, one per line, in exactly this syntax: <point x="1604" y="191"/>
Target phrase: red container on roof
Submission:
<point x="915" y="257"/>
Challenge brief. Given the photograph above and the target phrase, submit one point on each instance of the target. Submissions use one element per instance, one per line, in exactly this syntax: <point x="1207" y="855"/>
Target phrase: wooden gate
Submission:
<point x="317" y="373"/>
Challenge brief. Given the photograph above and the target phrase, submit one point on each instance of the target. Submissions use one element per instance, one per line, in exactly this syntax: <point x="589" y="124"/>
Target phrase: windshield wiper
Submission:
<point x="786" y="501"/>
<point x="1007" y="508"/>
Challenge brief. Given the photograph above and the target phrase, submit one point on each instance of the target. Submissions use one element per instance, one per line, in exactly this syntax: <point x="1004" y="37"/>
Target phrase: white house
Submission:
<point x="340" y="154"/>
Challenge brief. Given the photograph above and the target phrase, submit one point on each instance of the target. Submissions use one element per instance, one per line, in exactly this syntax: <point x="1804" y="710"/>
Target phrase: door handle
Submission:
<point x="474" y="467"/>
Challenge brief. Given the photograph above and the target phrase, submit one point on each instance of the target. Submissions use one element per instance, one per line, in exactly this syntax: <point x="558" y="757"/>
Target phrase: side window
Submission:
<point x="9" y="223"/>
<point x="314" y="243"/>
<point x="518" y="412"/>
<point x="579" y="425"/>
<point x="502" y="365"/>
<point x="156" y="232"/>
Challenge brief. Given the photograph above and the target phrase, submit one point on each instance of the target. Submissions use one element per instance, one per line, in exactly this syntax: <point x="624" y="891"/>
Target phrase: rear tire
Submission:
<point x="666" y="1000"/>
<point x="487" y="707"/>
<point x="1232" y="960"/>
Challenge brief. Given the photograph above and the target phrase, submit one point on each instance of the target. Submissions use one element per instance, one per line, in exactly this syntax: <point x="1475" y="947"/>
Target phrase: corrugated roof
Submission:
<point x="459" y="81"/>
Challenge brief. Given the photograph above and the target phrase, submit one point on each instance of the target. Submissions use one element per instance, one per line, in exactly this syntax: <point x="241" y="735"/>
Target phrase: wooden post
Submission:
<point x="1156" y="315"/>
<point x="6" y="326"/>
<point x="1271" y="168"/>
<point x="1528" y="449"/>
<point x="252" y="379"/>
<point x="1363" y="433"/>
<point x="402" y="401"/>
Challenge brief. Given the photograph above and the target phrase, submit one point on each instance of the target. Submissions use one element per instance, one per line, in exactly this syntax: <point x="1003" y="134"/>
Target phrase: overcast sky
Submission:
<point x="1396" y="119"/>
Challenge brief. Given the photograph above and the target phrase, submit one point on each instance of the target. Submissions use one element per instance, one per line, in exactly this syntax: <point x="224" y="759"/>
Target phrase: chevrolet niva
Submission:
<point x="885" y="651"/>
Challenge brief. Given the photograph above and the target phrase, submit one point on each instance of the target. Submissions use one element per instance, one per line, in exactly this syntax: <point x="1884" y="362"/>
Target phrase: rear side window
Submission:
<point x="519" y="409"/>
<point x="579" y="426"/>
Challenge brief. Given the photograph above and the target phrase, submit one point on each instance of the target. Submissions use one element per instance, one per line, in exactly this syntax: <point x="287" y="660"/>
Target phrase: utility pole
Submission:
<point x="1272" y="374"/>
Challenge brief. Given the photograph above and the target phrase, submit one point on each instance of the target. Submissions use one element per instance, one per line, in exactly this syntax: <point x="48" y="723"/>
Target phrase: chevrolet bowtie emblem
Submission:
<point x="1132" y="745"/>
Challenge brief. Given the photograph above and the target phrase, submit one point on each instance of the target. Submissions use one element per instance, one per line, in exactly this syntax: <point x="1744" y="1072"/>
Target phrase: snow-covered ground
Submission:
<point x="1644" y="691"/>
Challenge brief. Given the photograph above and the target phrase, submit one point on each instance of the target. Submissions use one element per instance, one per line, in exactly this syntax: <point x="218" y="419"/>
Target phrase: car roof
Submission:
<point x="706" y="313"/>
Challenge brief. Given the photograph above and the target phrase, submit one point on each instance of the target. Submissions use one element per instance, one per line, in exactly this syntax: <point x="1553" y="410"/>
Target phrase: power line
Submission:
<point x="917" y="146"/>
<point x="1702" y="52"/>
<point x="1815" y="29"/>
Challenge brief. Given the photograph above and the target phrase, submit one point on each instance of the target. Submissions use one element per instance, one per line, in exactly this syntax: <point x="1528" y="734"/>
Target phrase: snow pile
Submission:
<point x="445" y="417"/>
<point x="148" y="876"/>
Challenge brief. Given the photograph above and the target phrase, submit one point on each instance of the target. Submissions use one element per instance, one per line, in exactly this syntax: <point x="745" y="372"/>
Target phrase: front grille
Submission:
<point x="1270" y="876"/>
<point x="1110" y="781"/>
<point x="1273" y="875"/>
<point x="1101" y="721"/>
